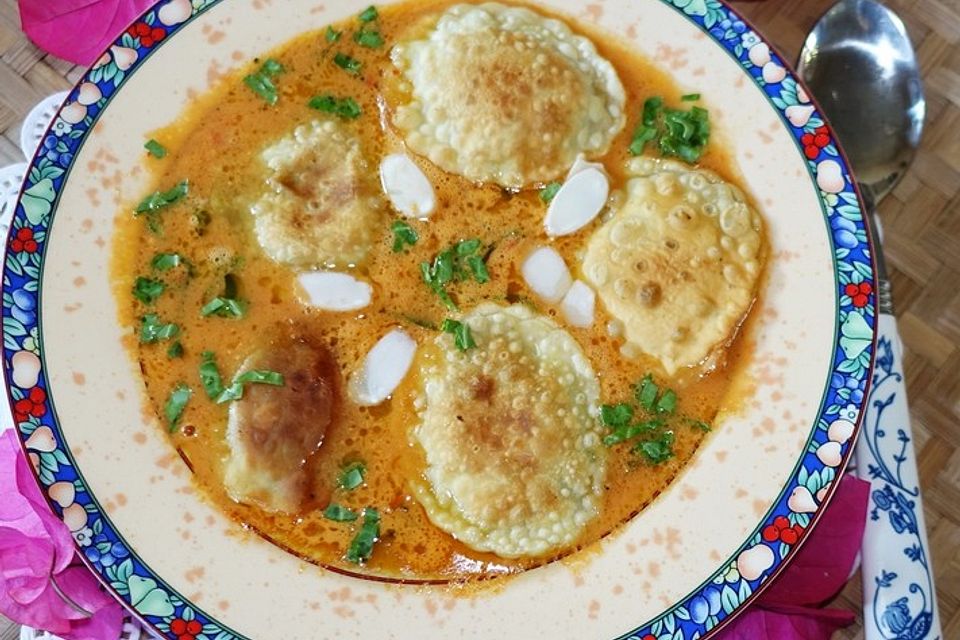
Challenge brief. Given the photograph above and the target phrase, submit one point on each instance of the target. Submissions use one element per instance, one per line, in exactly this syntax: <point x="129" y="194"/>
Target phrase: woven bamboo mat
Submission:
<point x="921" y="220"/>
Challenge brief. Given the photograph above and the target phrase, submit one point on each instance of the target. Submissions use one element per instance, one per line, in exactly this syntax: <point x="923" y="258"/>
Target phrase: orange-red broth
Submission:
<point x="214" y="144"/>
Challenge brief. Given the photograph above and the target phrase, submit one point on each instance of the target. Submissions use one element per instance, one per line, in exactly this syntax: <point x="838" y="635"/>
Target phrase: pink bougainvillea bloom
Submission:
<point x="35" y="545"/>
<point x="78" y="30"/>
<point x="788" y="609"/>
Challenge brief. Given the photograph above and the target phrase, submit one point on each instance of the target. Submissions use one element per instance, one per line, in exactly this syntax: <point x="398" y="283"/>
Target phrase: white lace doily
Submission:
<point x="11" y="178"/>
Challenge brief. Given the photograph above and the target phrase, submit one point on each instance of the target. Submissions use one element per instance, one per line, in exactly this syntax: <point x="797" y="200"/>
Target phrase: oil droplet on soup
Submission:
<point x="259" y="367"/>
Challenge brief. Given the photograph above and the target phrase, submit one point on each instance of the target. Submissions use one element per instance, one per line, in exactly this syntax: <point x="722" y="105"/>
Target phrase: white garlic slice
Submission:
<point x="546" y="273"/>
<point x="408" y="189"/>
<point x="334" y="291"/>
<point x="383" y="368"/>
<point x="577" y="202"/>
<point x="582" y="163"/>
<point x="578" y="305"/>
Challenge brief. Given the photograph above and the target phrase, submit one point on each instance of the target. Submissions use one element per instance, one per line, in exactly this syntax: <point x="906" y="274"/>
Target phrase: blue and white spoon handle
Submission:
<point x="899" y="600"/>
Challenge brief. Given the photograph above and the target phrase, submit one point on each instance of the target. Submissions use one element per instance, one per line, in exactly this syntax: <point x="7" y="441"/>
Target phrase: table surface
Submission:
<point x="922" y="243"/>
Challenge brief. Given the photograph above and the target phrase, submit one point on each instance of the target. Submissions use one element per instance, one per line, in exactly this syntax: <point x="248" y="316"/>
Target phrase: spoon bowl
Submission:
<point x="859" y="63"/>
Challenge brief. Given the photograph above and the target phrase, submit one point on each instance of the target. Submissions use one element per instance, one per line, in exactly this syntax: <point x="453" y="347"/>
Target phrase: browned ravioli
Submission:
<point x="273" y="432"/>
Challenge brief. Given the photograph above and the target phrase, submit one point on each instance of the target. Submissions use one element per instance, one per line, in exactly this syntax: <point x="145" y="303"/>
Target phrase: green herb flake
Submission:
<point x="333" y="35"/>
<point x="166" y="261"/>
<point x="658" y="450"/>
<point x="479" y="269"/>
<point x="403" y="235"/>
<point x="361" y="547"/>
<point x="368" y="39"/>
<point x="701" y="425"/>
<point x="351" y="476"/>
<point x="147" y="290"/>
<point x="646" y="392"/>
<point x="467" y="247"/>
<point x="457" y="263"/>
<point x="690" y="97"/>
<point x="210" y="375"/>
<point x="176" y="403"/>
<point x="175" y="350"/>
<point x="152" y="330"/>
<point x="339" y="513"/>
<point x="344" y="108"/>
<point x="155" y="149"/>
<point x="626" y="431"/>
<point x="667" y="402"/>
<point x="462" y="338"/>
<point x="231" y="393"/>
<point x="160" y="199"/>
<point x="260" y="376"/>
<point x="347" y="63"/>
<point x="223" y="307"/>
<point x="677" y="132"/>
<point x="261" y="81"/>
<point x="368" y="15"/>
<point x="616" y="415"/>
<point x="549" y="192"/>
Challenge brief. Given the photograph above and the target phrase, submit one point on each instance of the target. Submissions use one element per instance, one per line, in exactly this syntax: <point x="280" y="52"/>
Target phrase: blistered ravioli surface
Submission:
<point x="678" y="263"/>
<point x="514" y="461"/>
<point x="502" y="94"/>
<point x="318" y="208"/>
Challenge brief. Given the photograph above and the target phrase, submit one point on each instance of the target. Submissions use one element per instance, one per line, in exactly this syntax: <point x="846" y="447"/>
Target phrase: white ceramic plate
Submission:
<point x="681" y="568"/>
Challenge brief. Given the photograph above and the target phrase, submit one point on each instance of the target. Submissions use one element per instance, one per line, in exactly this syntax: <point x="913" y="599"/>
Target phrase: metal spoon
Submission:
<point x="860" y="65"/>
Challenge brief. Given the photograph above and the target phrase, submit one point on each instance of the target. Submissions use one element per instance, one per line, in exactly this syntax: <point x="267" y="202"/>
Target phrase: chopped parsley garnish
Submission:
<point x="351" y="476"/>
<point x="460" y="262"/>
<point x="548" y="192"/>
<point x="361" y="547"/>
<point x="233" y="392"/>
<point x="667" y="402"/>
<point x="332" y="35"/>
<point x="348" y="64"/>
<point x="345" y="108"/>
<point x="166" y="261"/>
<point x="646" y="392"/>
<point x="146" y="290"/>
<point x="678" y="132"/>
<point x="176" y="403"/>
<point x="403" y="236"/>
<point x="657" y="450"/>
<point x="153" y="203"/>
<point x="175" y="350"/>
<point x="627" y="431"/>
<point x="155" y="149"/>
<point x="616" y="415"/>
<point x="261" y="81"/>
<point x="339" y="513"/>
<point x="369" y="39"/>
<point x="368" y="15"/>
<point x="227" y="305"/>
<point x="701" y="425"/>
<point x="152" y="330"/>
<point x="650" y="432"/>
<point x="260" y="376"/>
<point x="690" y="97"/>
<point x="210" y="375"/>
<point x="462" y="338"/>
<point x="223" y="307"/>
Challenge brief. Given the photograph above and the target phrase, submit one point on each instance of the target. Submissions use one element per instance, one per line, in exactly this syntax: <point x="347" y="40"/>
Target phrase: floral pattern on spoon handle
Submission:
<point x="898" y="592"/>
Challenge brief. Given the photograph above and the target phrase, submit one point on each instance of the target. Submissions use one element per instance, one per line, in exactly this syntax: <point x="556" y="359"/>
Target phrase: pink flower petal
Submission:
<point x="24" y="508"/>
<point x="823" y="564"/>
<point x="78" y="30"/>
<point x="85" y="590"/>
<point x="34" y="543"/>
<point x="786" y="623"/>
